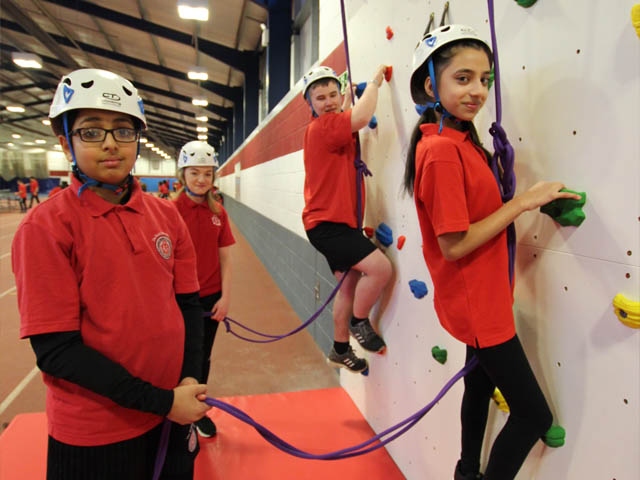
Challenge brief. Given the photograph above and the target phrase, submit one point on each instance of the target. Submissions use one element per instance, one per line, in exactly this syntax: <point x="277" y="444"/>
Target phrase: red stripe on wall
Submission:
<point x="285" y="132"/>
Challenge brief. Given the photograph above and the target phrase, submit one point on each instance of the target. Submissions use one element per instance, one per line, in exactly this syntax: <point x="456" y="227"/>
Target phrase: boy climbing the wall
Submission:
<point x="331" y="217"/>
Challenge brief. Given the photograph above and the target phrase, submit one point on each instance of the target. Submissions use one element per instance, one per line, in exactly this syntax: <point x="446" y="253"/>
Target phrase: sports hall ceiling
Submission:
<point x="143" y="40"/>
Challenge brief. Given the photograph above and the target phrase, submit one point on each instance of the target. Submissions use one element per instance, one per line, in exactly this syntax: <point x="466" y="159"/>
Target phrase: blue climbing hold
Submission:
<point x="384" y="234"/>
<point x="418" y="288"/>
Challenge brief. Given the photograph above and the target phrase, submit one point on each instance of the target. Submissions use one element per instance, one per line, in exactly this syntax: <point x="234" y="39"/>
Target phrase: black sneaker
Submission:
<point x="367" y="337"/>
<point x="347" y="360"/>
<point x="458" y="475"/>
<point x="206" y="428"/>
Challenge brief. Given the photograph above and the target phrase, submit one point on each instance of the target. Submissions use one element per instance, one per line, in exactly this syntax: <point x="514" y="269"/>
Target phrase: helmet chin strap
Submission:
<point x="313" y="112"/>
<point x="194" y="193"/>
<point x="437" y="105"/>
<point x="86" y="180"/>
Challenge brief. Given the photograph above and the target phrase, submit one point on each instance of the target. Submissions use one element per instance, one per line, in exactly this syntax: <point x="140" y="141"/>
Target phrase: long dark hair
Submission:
<point x="441" y="59"/>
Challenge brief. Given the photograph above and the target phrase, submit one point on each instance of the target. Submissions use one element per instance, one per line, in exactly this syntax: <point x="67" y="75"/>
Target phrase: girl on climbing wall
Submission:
<point x="463" y="222"/>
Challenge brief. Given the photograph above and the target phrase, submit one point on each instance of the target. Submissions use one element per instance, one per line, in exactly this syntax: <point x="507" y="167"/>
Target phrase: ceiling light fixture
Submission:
<point x="202" y="118"/>
<point x="198" y="73"/>
<point x="200" y="101"/>
<point x="202" y="129"/>
<point x="194" y="10"/>
<point x="15" y="108"/>
<point x="26" y="60"/>
<point x="202" y="137"/>
<point x="46" y="121"/>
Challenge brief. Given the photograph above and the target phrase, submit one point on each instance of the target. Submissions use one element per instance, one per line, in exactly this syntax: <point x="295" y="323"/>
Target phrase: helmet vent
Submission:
<point x="88" y="84"/>
<point x="127" y="91"/>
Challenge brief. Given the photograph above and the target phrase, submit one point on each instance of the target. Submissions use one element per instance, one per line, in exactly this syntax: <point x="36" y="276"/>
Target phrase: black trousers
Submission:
<point x="132" y="459"/>
<point x="504" y="366"/>
<point x="209" y="334"/>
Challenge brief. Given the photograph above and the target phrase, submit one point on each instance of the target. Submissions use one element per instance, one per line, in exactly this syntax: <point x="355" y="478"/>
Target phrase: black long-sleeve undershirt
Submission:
<point x="64" y="355"/>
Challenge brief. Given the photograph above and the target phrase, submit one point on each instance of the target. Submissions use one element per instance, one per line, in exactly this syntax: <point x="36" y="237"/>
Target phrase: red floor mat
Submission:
<point x="317" y="421"/>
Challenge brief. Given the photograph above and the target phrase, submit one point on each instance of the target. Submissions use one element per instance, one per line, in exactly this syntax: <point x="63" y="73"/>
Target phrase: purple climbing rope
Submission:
<point x="503" y="156"/>
<point x="267" y="338"/>
<point x="360" y="165"/>
<point x="162" y="449"/>
<point x="374" y="443"/>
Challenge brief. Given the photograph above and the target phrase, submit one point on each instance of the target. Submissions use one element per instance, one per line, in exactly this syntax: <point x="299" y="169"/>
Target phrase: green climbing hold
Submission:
<point x="492" y="77"/>
<point x="554" y="437"/>
<point x="566" y="211"/>
<point x="526" y="3"/>
<point x="440" y="354"/>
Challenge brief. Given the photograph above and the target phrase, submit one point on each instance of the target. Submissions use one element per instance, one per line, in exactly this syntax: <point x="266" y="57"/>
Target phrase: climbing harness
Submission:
<point x="503" y="156"/>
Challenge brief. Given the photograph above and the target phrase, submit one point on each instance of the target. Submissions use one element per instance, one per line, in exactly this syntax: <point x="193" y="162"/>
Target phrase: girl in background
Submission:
<point x="463" y="224"/>
<point x="208" y="224"/>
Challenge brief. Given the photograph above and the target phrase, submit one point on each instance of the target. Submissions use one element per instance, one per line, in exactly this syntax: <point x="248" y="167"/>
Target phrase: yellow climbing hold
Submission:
<point x="635" y="18"/>
<point x="500" y="401"/>
<point x="627" y="311"/>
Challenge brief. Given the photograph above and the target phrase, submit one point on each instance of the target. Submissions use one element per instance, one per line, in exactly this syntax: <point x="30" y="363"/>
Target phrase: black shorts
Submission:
<point x="342" y="246"/>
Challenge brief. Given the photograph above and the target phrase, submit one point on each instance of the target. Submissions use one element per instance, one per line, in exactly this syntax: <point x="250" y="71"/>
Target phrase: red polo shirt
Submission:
<point x="454" y="187"/>
<point x="209" y="232"/>
<point x="111" y="272"/>
<point x="330" y="174"/>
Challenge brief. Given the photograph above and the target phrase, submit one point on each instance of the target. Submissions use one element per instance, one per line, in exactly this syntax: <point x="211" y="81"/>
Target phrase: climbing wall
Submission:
<point x="570" y="78"/>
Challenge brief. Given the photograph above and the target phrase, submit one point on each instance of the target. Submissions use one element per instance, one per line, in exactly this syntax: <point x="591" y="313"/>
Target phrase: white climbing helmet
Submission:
<point x="316" y="74"/>
<point x="432" y="42"/>
<point x="99" y="89"/>
<point x="197" y="154"/>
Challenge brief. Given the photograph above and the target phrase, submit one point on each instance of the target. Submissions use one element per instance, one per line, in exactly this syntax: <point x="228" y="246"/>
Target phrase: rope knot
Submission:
<point x="362" y="167"/>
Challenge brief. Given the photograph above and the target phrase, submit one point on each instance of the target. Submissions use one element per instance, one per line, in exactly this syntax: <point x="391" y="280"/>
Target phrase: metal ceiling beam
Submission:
<point x="178" y="111"/>
<point x="234" y="58"/>
<point x="33" y="29"/>
<point x="233" y="94"/>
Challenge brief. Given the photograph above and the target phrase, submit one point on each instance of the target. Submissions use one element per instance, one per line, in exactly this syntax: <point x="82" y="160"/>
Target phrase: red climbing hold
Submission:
<point x="389" y="33"/>
<point x="401" y="240"/>
<point x="368" y="231"/>
<point x="388" y="72"/>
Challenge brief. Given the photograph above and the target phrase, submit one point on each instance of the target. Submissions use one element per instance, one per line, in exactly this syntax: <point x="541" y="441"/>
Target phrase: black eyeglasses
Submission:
<point x="95" y="134"/>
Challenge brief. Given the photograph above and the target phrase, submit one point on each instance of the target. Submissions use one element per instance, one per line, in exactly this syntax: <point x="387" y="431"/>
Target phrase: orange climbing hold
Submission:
<point x="401" y="240"/>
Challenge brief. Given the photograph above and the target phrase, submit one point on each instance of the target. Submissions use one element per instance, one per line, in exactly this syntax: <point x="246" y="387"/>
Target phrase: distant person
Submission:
<point x="163" y="189"/>
<point x="58" y="188"/>
<point x="34" y="188"/>
<point x="22" y="195"/>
